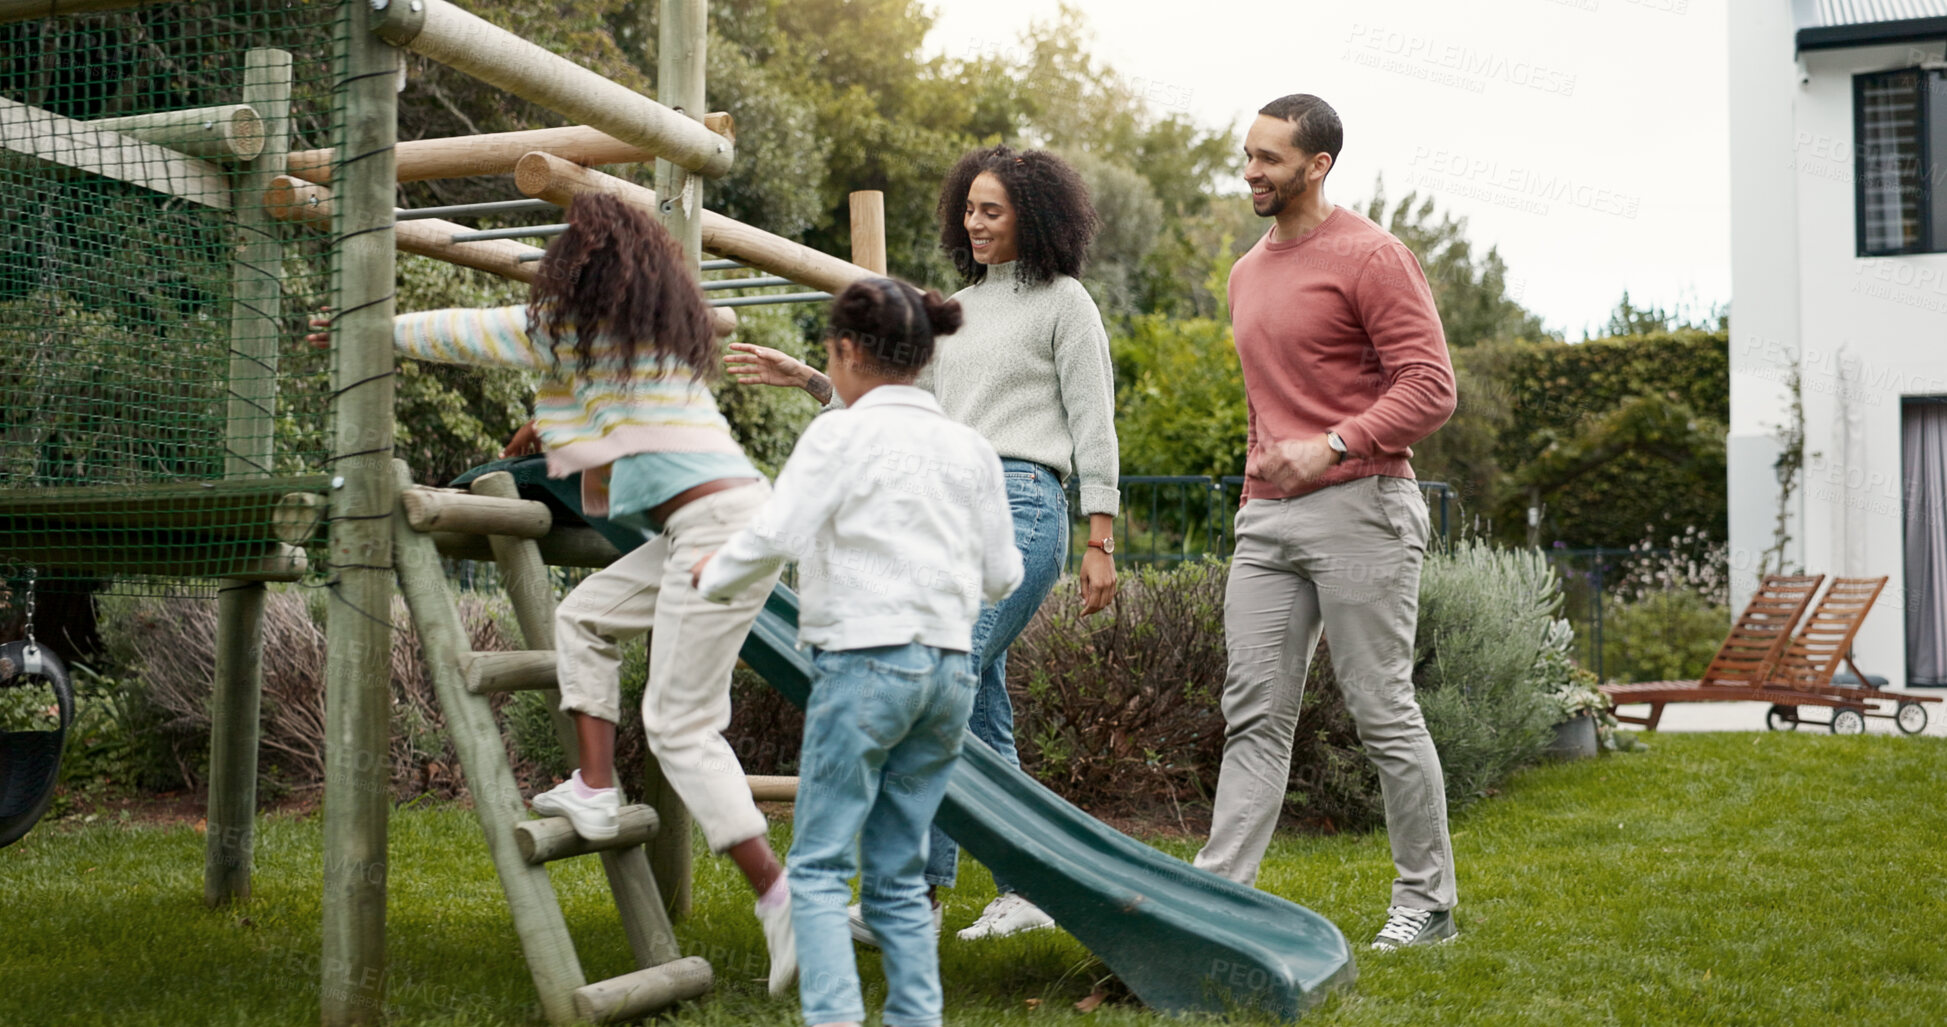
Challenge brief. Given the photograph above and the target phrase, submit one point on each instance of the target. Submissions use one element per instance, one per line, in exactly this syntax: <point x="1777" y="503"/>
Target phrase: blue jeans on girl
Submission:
<point x="881" y="734"/>
<point x="1040" y="509"/>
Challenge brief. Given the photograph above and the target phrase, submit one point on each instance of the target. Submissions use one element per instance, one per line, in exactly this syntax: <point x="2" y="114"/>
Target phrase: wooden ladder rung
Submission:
<point x="429" y="510"/>
<point x="552" y="838"/>
<point x="634" y="995"/>
<point x="523" y="671"/>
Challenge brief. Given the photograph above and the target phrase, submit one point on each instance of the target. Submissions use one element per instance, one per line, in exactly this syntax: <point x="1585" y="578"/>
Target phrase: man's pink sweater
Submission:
<point x="1336" y="331"/>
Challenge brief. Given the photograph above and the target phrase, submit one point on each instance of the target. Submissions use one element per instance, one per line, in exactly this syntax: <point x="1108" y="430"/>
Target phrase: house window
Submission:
<point x="1899" y="132"/>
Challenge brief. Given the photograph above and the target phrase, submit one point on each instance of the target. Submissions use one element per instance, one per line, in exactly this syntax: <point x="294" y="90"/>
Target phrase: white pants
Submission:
<point x="692" y="651"/>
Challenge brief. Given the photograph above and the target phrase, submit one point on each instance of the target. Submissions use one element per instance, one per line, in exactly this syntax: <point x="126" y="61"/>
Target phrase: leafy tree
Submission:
<point x="1470" y="291"/>
<point x="1629" y="319"/>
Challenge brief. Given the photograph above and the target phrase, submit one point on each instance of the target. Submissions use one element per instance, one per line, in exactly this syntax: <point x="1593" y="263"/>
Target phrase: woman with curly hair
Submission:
<point x="1029" y="371"/>
<point x="618" y="328"/>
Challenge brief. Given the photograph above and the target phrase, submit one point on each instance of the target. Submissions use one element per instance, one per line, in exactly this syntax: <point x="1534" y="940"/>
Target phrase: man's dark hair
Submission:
<point x="1315" y="125"/>
<point x="1054" y="221"/>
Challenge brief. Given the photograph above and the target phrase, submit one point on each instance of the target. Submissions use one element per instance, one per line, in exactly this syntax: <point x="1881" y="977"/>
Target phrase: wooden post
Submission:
<point x="869" y="229"/>
<point x="358" y="638"/>
<point x="442" y="32"/>
<point x="256" y="302"/>
<point x="683" y="36"/>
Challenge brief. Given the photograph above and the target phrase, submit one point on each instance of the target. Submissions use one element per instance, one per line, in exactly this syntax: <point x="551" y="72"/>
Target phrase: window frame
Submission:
<point x="1929" y="78"/>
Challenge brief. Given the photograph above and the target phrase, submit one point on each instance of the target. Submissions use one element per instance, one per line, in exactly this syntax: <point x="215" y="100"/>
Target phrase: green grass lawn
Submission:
<point x="1717" y="879"/>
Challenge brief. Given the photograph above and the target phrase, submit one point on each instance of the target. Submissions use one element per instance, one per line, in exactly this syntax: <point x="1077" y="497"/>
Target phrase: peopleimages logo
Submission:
<point x="1423" y="56"/>
<point x="1457" y="169"/>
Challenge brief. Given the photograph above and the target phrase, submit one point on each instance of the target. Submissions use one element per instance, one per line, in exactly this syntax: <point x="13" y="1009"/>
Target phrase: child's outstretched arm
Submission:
<point x="491" y="337"/>
<point x="807" y="494"/>
<point x="1000" y="562"/>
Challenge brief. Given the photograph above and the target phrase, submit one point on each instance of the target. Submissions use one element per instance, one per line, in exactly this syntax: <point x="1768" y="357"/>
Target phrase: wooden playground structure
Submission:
<point x="174" y="217"/>
<point x="253" y="526"/>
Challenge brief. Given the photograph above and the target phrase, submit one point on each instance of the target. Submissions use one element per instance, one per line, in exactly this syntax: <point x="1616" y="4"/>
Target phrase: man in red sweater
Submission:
<point x="1345" y="367"/>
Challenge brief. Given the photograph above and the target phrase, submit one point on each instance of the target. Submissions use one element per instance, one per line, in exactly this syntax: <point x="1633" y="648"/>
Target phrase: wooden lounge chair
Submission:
<point x="1743" y="663"/>
<point x="1809" y="664"/>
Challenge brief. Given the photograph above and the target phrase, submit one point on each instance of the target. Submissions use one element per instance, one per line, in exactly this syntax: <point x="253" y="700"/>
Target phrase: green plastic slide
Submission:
<point x="1183" y="940"/>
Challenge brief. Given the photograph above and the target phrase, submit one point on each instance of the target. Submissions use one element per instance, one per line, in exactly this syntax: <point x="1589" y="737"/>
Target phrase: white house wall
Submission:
<point x="1872" y="329"/>
<point x="1764" y="84"/>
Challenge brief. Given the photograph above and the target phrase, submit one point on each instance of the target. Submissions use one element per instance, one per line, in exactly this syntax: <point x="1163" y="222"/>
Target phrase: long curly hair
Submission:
<point x="1054" y="220"/>
<point x="617" y="273"/>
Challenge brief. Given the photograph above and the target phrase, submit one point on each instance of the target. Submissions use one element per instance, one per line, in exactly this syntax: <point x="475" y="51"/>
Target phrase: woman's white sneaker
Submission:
<point x="1408" y="926"/>
<point x="1007" y="914"/>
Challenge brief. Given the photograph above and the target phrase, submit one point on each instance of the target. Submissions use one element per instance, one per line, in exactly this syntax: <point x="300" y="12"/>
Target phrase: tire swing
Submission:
<point x="30" y="761"/>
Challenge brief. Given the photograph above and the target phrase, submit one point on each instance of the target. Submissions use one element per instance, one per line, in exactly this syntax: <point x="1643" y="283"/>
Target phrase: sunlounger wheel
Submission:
<point x="1911" y="717"/>
<point x="1782" y="718"/>
<point x="1848" y="722"/>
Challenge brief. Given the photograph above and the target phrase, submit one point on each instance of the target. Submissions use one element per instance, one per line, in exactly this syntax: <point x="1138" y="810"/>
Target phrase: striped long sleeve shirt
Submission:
<point x="586" y="420"/>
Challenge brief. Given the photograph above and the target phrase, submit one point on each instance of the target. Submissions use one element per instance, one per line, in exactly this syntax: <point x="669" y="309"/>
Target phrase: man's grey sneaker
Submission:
<point x="855" y="916"/>
<point x="1408" y="926"/>
<point x="1007" y="914"/>
<point x="594" y="817"/>
<point x="775" y="915"/>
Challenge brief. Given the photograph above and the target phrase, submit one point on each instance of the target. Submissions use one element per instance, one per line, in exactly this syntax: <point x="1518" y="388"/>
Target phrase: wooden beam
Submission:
<point x="551" y="838"/>
<point x="442" y="32"/>
<point x="495" y="153"/>
<point x="558" y="181"/>
<point x="31" y="10"/>
<point x="634" y="996"/>
<point x="562" y="547"/>
<point x="483" y="515"/>
<point x="527" y="670"/>
<point x="48" y="136"/>
<point x="431" y="237"/>
<point x="869" y="229"/>
<point x="230" y="132"/>
<point x="765" y="788"/>
<point x="160" y="556"/>
<point x="238" y="509"/>
<point x="294" y="200"/>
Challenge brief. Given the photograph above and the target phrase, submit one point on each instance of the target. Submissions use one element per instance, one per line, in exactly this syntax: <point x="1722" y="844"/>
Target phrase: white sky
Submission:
<point x="1585" y="138"/>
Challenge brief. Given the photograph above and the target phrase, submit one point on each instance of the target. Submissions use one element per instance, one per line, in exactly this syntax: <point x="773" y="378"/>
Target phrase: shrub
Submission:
<point x="1664" y="636"/>
<point x="1487" y="628"/>
<point x="165" y="649"/>
<point x="1121" y="710"/>
<point x="1120" y="705"/>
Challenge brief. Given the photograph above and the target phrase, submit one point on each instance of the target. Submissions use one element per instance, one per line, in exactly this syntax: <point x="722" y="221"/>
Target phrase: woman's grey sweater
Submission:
<point x="1030" y="371"/>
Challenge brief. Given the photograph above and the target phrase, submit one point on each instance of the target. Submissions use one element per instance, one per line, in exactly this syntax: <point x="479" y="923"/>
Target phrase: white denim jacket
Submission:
<point x="898" y="519"/>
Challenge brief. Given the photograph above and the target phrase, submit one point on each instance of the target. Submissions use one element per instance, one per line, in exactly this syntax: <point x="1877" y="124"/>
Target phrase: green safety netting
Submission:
<point x="162" y="424"/>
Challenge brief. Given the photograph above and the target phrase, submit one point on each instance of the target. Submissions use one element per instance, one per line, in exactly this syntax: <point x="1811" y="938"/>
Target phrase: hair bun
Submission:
<point x="943" y="314"/>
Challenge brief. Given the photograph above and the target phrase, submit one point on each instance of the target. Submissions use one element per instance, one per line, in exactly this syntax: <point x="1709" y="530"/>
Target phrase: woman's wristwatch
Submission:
<point x="1106" y="545"/>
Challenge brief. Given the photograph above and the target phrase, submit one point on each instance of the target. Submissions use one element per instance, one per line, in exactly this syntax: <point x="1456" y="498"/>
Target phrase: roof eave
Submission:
<point x="1877" y="33"/>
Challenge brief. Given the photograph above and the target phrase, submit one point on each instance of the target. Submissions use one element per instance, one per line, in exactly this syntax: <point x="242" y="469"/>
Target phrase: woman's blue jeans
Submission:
<point x="881" y="734"/>
<point x="1040" y="509"/>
